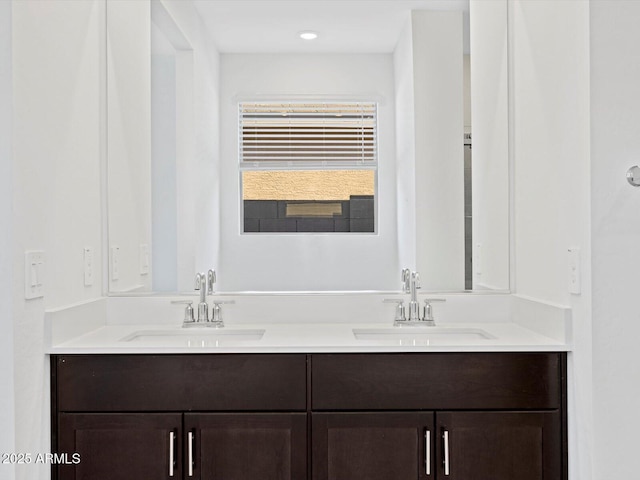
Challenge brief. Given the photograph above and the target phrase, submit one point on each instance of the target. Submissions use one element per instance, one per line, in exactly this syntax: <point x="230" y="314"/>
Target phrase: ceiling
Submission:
<point x="344" y="26"/>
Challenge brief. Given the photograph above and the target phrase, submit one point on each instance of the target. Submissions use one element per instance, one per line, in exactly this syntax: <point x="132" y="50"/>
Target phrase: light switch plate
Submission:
<point x="478" y="260"/>
<point x="574" y="271"/>
<point x="33" y="274"/>
<point x="115" y="263"/>
<point x="144" y="259"/>
<point x="88" y="266"/>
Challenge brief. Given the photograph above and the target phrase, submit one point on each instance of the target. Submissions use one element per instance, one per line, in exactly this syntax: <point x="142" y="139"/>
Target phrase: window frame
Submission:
<point x="311" y="165"/>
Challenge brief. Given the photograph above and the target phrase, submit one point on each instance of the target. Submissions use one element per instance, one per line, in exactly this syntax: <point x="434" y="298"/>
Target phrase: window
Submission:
<point x="308" y="166"/>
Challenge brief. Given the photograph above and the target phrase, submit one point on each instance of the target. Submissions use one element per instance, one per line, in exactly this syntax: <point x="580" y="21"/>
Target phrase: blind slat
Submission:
<point x="313" y="142"/>
<point x="328" y="131"/>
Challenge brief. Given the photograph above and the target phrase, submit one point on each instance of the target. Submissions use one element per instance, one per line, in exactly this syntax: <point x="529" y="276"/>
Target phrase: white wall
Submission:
<point x="432" y="111"/>
<point x="405" y="147"/>
<point x="552" y="174"/>
<point x="195" y="203"/>
<point x="129" y="140"/>
<point x="197" y="145"/>
<point x="164" y="215"/>
<point x="192" y="221"/>
<point x="7" y="401"/>
<point x="490" y="125"/>
<point x="307" y="262"/>
<point x="439" y="156"/>
<point x="551" y="141"/>
<point x="615" y="130"/>
<point x="56" y="187"/>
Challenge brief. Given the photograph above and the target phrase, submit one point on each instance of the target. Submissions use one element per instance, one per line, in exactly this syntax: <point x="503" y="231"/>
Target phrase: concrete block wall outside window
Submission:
<point x="356" y="215"/>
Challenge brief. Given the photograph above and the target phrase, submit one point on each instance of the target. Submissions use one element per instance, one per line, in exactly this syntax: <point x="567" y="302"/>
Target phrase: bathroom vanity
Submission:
<point x="139" y="397"/>
<point x="317" y="416"/>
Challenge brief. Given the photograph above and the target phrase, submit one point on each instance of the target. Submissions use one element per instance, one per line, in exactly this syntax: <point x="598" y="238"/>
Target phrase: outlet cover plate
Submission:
<point x="33" y="274"/>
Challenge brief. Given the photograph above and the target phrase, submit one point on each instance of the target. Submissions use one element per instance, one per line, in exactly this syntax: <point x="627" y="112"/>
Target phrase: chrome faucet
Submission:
<point x="414" y="305"/>
<point x="203" y="308"/>
<point x="406" y="280"/>
<point x="410" y="285"/>
<point x="204" y="283"/>
<point x="416" y="315"/>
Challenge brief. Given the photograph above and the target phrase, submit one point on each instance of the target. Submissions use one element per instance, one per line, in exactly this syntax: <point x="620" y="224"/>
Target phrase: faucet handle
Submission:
<point x="217" y="315"/>
<point x="200" y="281"/>
<point x="188" y="311"/>
<point x="427" y="311"/>
<point x="406" y="280"/>
<point x="415" y="276"/>
<point x="216" y="309"/>
<point x="400" y="310"/>
<point x="211" y="279"/>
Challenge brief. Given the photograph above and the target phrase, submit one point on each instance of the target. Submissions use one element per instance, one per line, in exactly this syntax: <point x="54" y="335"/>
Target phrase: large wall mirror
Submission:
<point x="418" y="89"/>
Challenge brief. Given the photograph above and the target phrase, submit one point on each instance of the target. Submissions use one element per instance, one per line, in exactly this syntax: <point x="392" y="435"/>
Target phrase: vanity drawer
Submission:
<point x="436" y="381"/>
<point x="116" y="383"/>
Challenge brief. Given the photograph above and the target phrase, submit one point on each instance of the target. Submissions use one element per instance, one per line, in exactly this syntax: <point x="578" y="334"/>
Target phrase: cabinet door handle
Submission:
<point x="427" y="452"/>
<point x="445" y="437"/>
<point x="191" y="454"/>
<point x="172" y="439"/>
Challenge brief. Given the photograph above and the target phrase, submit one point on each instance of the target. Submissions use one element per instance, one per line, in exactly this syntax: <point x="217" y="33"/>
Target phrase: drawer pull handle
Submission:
<point x="427" y="452"/>
<point x="191" y="454"/>
<point x="445" y="437"/>
<point x="172" y="438"/>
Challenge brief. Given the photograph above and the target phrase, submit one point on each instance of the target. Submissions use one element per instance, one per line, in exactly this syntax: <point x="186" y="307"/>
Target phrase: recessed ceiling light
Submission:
<point x="308" y="35"/>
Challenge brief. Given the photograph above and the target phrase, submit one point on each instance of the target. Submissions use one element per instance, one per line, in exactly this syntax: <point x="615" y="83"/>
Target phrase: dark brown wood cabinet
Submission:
<point x="499" y="445"/>
<point x="213" y="417"/>
<point x="121" y="446"/>
<point x="372" y="446"/>
<point x="481" y="416"/>
<point x="431" y="416"/>
<point x="246" y="446"/>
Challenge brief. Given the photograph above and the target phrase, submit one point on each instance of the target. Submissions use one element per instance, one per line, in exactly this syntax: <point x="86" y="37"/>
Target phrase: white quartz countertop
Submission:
<point x="308" y="338"/>
<point x="308" y="324"/>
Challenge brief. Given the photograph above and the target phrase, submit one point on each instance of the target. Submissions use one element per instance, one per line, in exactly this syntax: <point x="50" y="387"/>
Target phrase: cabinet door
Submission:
<point x="499" y="445"/>
<point x="373" y="446"/>
<point x="121" y="446"/>
<point x="246" y="446"/>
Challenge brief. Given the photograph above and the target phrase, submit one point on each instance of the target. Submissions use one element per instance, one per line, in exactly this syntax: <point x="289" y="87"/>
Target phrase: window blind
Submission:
<point x="307" y="132"/>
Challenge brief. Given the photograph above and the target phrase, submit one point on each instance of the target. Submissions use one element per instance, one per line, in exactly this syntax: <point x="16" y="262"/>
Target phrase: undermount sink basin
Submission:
<point x="195" y="337"/>
<point x="419" y="336"/>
